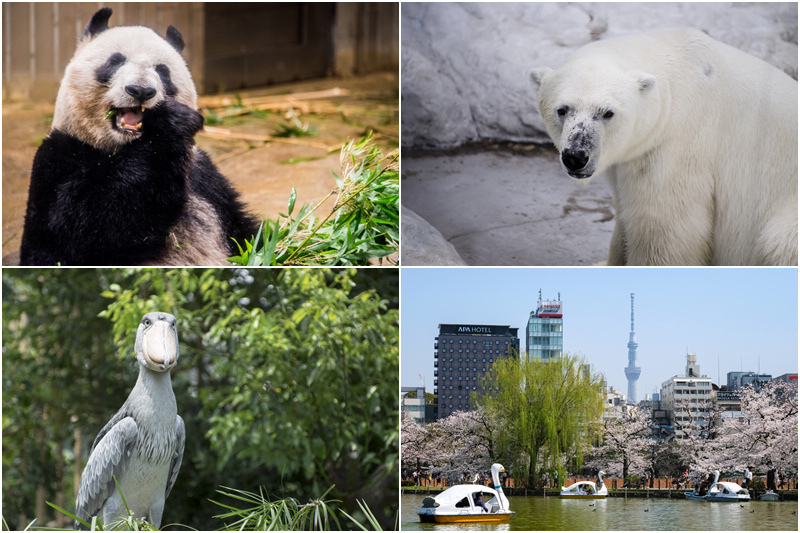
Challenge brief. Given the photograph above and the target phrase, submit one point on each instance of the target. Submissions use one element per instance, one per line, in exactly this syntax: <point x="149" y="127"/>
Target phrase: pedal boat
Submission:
<point x="726" y="491"/>
<point x="457" y="504"/>
<point x="586" y="490"/>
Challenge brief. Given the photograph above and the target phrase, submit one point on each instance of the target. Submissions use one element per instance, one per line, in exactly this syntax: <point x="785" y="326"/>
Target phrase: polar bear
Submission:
<point x="698" y="139"/>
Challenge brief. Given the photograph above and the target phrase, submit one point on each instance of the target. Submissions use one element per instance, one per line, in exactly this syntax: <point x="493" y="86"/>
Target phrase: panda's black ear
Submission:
<point x="98" y="23"/>
<point x="175" y="38"/>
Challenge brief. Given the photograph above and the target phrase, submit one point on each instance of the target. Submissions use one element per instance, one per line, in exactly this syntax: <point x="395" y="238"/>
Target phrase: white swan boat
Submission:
<point x="586" y="490"/>
<point x="726" y="491"/>
<point x="459" y="503"/>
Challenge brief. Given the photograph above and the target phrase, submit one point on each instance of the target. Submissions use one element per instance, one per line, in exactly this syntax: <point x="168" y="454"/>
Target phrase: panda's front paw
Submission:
<point x="172" y="118"/>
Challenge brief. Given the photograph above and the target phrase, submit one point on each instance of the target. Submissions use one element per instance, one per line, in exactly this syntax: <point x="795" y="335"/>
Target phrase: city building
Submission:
<point x="737" y="380"/>
<point x="615" y="403"/>
<point x="788" y="378"/>
<point x="688" y="399"/>
<point x="463" y="354"/>
<point x="632" y="371"/>
<point x="412" y="403"/>
<point x="728" y="403"/>
<point x="544" y="336"/>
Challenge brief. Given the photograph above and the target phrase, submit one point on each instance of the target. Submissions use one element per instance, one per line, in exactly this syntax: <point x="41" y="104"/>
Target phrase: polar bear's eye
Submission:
<point x="561" y="111"/>
<point x="608" y="114"/>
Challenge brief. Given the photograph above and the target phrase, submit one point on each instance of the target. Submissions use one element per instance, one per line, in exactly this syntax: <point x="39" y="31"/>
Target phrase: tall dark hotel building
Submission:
<point x="462" y="355"/>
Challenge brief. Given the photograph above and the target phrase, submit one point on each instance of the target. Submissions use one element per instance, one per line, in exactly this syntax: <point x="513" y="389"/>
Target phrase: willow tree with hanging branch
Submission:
<point x="547" y="412"/>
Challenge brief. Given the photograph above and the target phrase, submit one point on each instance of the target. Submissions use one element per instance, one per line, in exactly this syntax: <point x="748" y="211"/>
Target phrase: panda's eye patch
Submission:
<point x="105" y="71"/>
<point x="163" y="73"/>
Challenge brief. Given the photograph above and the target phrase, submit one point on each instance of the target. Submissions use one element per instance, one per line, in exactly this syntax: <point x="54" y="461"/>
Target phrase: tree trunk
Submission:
<point x="76" y="473"/>
<point x="60" y="495"/>
<point x="41" y="493"/>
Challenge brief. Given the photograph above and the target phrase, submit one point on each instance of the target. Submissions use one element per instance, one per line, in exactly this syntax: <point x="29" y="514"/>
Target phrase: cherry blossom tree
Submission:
<point x="765" y="436"/>
<point x="696" y="423"/>
<point x="461" y="444"/>
<point x="626" y="444"/>
<point x="413" y="444"/>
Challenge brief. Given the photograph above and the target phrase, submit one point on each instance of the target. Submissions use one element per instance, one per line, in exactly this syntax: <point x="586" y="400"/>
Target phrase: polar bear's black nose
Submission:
<point x="142" y="94"/>
<point x="574" y="159"/>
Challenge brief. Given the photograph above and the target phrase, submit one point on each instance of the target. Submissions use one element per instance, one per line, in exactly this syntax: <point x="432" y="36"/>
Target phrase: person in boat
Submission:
<point x="771" y="480"/>
<point x="706" y="484"/>
<point x="588" y="489"/>
<point x="479" y="502"/>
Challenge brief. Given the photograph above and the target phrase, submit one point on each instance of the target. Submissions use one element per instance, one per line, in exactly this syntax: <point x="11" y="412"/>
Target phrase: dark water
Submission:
<point x="537" y="513"/>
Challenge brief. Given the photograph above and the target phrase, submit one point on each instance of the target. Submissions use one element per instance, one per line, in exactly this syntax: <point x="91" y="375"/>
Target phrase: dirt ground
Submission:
<point x="261" y="167"/>
<point x="510" y="205"/>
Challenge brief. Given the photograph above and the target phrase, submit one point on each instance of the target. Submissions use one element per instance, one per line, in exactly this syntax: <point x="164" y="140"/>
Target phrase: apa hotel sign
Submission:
<point x="468" y="329"/>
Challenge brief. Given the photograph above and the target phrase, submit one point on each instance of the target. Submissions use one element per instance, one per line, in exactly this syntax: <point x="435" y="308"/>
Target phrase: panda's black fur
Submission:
<point x="106" y="194"/>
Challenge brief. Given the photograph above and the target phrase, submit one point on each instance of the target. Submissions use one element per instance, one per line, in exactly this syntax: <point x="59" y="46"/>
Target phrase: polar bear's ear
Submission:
<point x="646" y="82"/>
<point x="537" y="75"/>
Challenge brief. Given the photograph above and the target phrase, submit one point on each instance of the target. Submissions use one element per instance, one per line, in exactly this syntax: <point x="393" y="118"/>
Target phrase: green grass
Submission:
<point x="253" y="512"/>
<point x="362" y="228"/>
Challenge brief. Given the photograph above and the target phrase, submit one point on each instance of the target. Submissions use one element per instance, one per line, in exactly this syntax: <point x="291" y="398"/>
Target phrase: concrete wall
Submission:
<point x="464" y="71"/>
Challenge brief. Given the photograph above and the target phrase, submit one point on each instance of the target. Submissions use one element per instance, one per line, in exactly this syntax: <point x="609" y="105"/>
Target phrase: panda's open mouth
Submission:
<point x="127" y="119"/>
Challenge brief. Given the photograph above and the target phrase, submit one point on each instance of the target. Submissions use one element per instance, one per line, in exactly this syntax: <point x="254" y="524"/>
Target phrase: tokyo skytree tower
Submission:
<point x="632" y="371"/>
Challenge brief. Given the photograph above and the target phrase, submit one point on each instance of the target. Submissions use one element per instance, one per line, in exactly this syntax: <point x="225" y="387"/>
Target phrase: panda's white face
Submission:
<point x="113" y="77"/>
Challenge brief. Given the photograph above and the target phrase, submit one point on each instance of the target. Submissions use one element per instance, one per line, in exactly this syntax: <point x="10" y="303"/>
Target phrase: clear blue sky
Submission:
<point x="730" y="315"/>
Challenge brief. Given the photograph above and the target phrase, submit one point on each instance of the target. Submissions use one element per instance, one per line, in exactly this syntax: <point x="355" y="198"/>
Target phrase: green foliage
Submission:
<point x="261" y="514"/>
<point x="364" y="224"/>
<point x="287" y="379"/>
<point x="287" y="514"/>
<point x="545" y="412"/>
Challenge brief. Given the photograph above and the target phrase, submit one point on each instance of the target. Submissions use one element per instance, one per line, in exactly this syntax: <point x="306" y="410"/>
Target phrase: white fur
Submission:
<point x="82" y="102"/>
<point x="701" y="150"/>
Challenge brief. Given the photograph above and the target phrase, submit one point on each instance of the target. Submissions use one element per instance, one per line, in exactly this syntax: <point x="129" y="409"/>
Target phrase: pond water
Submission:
<point x="655" y="514"/>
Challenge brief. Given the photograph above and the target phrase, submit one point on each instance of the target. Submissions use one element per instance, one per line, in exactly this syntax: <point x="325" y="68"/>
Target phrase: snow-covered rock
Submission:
<point x="465" y="65"/>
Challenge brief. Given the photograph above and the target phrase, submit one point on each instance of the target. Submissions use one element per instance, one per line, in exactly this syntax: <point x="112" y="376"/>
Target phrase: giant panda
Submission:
<point x="119" y="180"/>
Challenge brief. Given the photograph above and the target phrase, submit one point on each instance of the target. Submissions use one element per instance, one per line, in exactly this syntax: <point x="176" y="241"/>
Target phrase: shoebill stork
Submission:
<point x="142" y="445"/>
